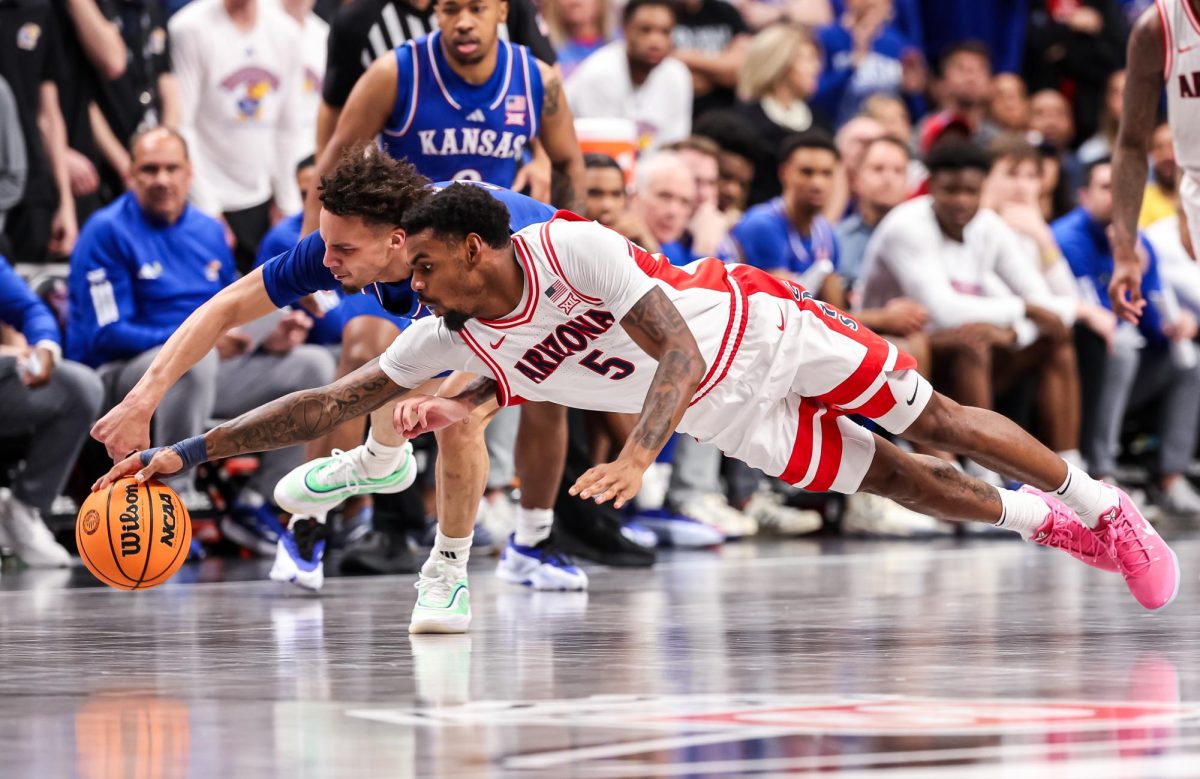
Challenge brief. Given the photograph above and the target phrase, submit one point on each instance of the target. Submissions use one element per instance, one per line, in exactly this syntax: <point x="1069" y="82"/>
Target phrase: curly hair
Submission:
<point x="369" y="184"/>
<point x="460" y="209"/>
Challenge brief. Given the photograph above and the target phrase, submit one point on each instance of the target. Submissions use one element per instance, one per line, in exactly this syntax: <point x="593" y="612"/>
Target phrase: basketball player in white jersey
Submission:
<point x="571" y="312"/>
<point x="1164" y="50"/>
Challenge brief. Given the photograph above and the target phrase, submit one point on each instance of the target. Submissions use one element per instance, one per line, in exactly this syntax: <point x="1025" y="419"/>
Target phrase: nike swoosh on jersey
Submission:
<point x="497" y="344"/>
<point x="782" y="320"/>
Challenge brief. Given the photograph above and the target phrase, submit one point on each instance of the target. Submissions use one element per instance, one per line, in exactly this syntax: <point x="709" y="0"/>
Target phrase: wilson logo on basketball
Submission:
<point x="168" y="515"/>
<point x="91" y="521"/>
<point x="131" y="523"/>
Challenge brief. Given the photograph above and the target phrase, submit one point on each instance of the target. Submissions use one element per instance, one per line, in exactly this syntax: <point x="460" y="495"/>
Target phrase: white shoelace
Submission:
<point x="345" y="470"/>
<point x="438" y="587"/>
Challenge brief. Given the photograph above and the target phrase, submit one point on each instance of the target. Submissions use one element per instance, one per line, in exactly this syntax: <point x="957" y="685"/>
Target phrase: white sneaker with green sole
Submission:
<point x="315" y="487"/>
<point x="443" y="601"/>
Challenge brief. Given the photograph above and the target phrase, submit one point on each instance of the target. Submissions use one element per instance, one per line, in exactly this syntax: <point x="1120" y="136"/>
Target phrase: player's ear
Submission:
<point x="503" y="11"/>
<point x="474" y="247"/>
<point x="397" y="239"/>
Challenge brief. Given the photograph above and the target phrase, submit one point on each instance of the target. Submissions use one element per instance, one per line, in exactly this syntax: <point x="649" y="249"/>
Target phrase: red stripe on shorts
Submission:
<point x="880" y="403"/>
<point x="831" y="454"/>
<point x="802" y="447"/>
<point x="864" y="375"/>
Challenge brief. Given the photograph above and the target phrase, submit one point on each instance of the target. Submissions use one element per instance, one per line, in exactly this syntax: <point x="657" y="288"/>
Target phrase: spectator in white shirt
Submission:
<point x="993" y="323"/>
<point x="239" y="65"/>
<point x="315" y="36"/>
<point x="636" y="78"/>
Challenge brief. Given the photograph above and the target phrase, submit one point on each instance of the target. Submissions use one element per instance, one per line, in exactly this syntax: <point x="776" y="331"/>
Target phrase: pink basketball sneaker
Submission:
<point x="1063" y="530"/>
<point x="1150" y="568"/>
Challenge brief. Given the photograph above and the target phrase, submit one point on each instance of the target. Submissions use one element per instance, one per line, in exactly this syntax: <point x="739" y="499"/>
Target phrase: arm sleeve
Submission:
<point x="1022" y="274"/>
<point x="21" y="309"/>
<point x="298" y="272"/>
<point x="525" y="28"/>
<point x="601" y="264"/>
<point x="343" y="62"/>
<point x="423" y="351"/>
<point x="111" y="296"/>
<point x="923" y="279"/>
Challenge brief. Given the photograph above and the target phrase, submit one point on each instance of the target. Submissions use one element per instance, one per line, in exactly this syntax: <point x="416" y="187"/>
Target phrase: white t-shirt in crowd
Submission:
<point x="315" y="33"/>
<point x="240" y="95"/>
<point x="1179" y="271"/>
<point x="987" y="277"/>
<point x="662" y="107"/>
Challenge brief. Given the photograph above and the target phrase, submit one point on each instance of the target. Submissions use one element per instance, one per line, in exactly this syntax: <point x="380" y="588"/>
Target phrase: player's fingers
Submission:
<point x="586" y="480"/>
<point x="600" y="488"/>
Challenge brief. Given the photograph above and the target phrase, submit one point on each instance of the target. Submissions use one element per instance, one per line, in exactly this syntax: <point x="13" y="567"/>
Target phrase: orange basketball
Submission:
<point x="132" y="536"/>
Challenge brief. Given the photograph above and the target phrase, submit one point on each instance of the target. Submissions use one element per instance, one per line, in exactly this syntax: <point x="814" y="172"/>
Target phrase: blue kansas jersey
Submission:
<point x="301" y="271"/>
<point x="462" y="131"/>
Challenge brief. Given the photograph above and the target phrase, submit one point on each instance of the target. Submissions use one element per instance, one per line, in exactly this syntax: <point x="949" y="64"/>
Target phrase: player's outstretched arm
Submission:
<point x="126" y="428"/>
<point x="660" y="330"/>
<point x="567" y="186"/>
<point x="1143" y="86"/>
<point x="300" y="416"/>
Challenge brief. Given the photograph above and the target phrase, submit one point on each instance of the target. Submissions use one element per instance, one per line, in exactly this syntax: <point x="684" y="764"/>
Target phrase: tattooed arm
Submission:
<point x="300" y="416"/>
<point x="1143" y="86"/>
<point x="303" y="415"/>
<point x="657" y="327"/>
<point x="557" y="134"/>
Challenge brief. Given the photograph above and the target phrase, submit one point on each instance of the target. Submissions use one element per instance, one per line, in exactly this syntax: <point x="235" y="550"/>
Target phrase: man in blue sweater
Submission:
<point x="54" y="402"/>
<point x="141" y="267"/>
<point x="1154" y="362"/>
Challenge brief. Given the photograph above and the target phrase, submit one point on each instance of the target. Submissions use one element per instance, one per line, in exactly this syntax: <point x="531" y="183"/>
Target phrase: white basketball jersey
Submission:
<point x="1181" y="75"/>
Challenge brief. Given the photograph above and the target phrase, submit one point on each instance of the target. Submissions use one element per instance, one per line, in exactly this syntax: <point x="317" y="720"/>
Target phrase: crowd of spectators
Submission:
<point x="939" y="167"/>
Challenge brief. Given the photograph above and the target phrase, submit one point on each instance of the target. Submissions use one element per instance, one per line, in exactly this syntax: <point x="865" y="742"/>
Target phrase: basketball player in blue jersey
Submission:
<point x="460" y="103"/>
<point x="359" y="247"/>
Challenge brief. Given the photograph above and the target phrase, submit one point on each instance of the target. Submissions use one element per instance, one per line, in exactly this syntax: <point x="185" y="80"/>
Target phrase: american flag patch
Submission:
<point x="562" y="297"/>
<point x="514" y="103"/>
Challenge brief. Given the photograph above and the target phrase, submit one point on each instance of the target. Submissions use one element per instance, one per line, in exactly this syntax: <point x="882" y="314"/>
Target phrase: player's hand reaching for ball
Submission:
<point x="165" y="462"/>
<point x="420" y="414"/>
<point x="124" y="429"/>
<point x="617" y="481"/>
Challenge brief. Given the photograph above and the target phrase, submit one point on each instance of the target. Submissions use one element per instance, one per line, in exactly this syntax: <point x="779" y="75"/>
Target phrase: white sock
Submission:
<point x="1089" y="498"/>
<point x="533" y="526"/>
<point x="379" y="460"/>
<point x="1021" y="512"/>
<point x="451" y="551"/>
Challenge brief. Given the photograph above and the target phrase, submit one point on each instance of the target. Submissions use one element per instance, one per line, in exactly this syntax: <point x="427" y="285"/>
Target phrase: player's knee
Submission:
<point x="941" y="424"/>
<point x="467" y="433"/>
<point x="363" y="339"/>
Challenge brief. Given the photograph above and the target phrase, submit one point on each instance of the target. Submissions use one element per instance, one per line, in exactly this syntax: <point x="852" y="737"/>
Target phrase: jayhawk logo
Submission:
<point x="251" y="85"/>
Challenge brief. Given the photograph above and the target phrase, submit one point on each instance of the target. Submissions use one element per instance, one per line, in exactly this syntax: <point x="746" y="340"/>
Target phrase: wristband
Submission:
<point x="192" y="451"/>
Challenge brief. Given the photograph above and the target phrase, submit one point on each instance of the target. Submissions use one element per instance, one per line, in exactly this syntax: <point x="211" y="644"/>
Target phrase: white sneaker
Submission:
<point x="443" y="600"/>
<point x="30" y="538"/>
<point x="315" y="487"/>
<point x="1181" y="498"/>
<point x="871" y="515"/>
<point x="714" y="510"/>
<point x="774" y="517"/>
<point x="299" y="553"/>
<point x="540" y="567"/>
<point x="653" y="493"/>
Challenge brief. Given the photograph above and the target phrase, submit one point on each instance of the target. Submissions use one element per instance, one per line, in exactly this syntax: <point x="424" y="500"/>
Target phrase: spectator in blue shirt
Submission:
<point x="146" y="262"/>
<point x="1155" y="364"/>
<point x="54" y="402"/>
<point x="866" y="54"/>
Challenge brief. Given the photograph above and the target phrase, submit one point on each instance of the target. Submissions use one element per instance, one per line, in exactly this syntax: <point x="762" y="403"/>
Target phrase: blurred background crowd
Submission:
<point x="939" y="167"/>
